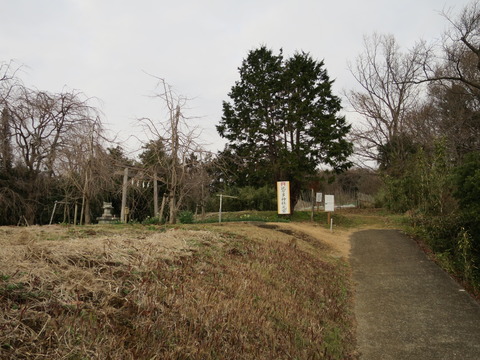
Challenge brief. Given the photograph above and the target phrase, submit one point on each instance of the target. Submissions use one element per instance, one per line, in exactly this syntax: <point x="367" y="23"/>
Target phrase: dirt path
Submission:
<point x="338" y="241"/>
<point x="406" y="306"/>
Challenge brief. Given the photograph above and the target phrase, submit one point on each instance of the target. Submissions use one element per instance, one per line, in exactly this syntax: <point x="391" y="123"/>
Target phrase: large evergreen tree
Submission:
<point x="282" y="121"/>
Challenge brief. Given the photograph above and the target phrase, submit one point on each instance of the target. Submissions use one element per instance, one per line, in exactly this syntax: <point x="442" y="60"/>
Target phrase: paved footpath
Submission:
<point x="406" y="306"/>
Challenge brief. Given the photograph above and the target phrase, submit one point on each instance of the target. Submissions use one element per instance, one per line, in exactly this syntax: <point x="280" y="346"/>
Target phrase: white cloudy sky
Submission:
<point x="104" y="47"/>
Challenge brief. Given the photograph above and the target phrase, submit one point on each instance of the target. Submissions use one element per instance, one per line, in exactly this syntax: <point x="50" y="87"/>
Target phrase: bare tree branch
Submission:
<point x="388" y="92"/>
<point x="180" y="140"/>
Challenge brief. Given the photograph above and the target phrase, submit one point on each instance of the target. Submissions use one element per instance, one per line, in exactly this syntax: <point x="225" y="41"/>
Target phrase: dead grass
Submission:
<point x="202" y="292"/>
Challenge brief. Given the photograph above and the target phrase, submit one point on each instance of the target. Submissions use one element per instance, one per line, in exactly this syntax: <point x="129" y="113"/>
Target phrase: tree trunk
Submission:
<point x="123" y="216"/>
<point x="173" y="210"/>
<point x="155" y="195"/>
<point x="162" y="208"/>
<point x="88" y="219"/>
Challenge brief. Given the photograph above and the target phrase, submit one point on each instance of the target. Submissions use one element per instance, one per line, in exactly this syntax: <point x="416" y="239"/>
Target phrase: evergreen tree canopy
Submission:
<point x="282" y="121"/>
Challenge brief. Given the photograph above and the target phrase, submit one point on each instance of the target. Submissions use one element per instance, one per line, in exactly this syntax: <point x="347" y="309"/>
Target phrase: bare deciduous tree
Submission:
<point x="452" y="69"/>
<point x="42" y="126"/>
<point x="179" y="140"/>
<point x="201" y="180"/>
<point x="86" y="166"/>
<point x="8" y="81"/>
<point x="41" y="123"/>
<point x="6" y="152"/>
<point x="459" y="57"/>
<point x="388" y="93"/>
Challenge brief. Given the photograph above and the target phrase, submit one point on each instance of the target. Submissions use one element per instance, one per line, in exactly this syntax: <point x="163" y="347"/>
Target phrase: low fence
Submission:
<point x="343" y="199"/>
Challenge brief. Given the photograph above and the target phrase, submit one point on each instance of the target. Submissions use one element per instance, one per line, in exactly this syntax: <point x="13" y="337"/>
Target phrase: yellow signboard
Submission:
<point x="283" y="197"/>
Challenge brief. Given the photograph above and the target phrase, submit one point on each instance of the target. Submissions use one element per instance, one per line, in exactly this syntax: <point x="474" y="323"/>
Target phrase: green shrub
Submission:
<point x="442" y="198"/>
<point x="424" y="183"/>
<point x="441" y="231"/>
<point x="151" y="221"/>
<point x="186" y="217"/>
<point x="467" y="185"/>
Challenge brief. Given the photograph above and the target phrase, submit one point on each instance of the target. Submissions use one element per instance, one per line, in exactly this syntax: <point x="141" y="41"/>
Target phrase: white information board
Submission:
<point x="319" y="197"/>
<point x="329" y="203"/>
<point x="283" y="197"/>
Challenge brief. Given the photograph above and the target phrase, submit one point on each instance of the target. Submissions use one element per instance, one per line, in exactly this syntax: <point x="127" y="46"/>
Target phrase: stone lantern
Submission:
<point x="107" y="216"/>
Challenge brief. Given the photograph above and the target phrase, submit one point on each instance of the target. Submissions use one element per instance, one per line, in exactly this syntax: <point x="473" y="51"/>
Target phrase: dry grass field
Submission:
<point x="230" y="291"/>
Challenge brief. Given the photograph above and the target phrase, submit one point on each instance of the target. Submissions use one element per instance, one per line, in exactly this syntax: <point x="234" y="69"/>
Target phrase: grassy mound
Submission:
<point x="115" y="292"/>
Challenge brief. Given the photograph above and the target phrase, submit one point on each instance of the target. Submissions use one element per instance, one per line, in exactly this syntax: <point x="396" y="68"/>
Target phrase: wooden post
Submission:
<point x="313" y="204"/>
<point x="123" y="217"/>
<point x="53" y="212"/>
<point x="221" y="201"/>
<point x="203" y="202"/>
<point x="155" y="195"/>
<point x="69" y="214"/>
<point x="81" y="210"/>
<point x="328" y="218"/>
<point x="160" y="217"/>
<point x="75" y="214"/>
<point x="220" y="210"/>
<point x="172" y="203"/>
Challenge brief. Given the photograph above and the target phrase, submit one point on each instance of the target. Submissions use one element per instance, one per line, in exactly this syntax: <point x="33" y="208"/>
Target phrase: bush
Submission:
<point x="424" y="185"/>
<point x="186" y="217"/>
<point x="467" y="181"/>
<point x="151" y="221"/>
<point x="441" y="232"/>
<point x="396" y="194"/>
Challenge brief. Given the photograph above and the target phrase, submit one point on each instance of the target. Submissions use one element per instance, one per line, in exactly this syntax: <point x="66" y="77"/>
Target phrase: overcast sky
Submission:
<point x="104" y="48"/>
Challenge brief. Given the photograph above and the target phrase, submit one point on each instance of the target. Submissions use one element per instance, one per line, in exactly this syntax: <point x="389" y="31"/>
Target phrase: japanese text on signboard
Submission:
<point x="283" y="197"/>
